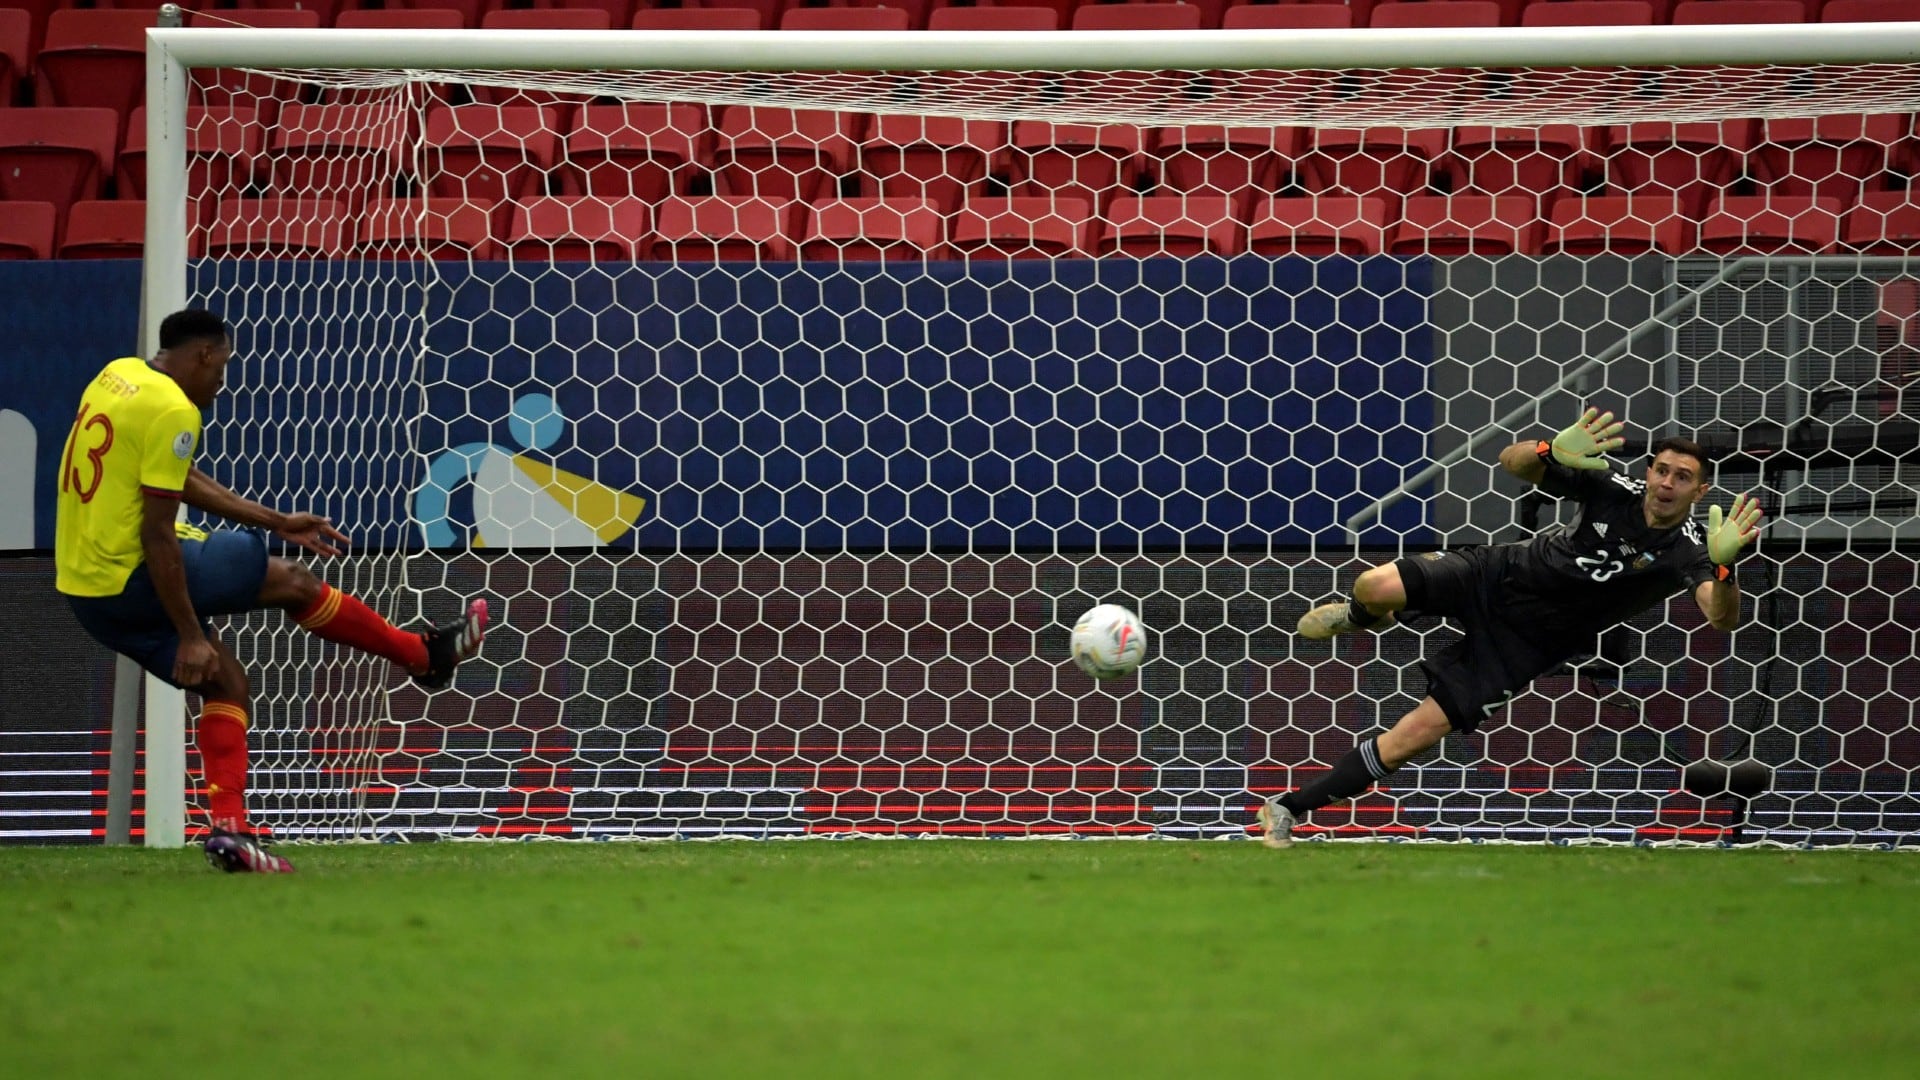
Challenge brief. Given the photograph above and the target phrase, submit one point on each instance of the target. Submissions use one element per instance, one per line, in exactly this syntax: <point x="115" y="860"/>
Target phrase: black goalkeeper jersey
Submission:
<point x="1572" y="581"/>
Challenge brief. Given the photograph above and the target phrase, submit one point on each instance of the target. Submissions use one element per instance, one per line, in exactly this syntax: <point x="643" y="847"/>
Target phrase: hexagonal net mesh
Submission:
<point x="788" y="420"/>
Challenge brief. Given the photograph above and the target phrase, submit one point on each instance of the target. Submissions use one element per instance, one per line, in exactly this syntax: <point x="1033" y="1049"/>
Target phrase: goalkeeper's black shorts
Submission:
<point x="1474" y="677"/>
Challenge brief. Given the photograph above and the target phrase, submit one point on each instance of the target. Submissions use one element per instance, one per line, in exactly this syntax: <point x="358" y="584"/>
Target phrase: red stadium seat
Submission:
<point x="497" y="153"/>
<point x="993" y="18"/>
<point x="105" y="230"/>
<point x="94" y="58"/>
<point x="1074" y="161"/>
<point x="1738" y="12"/>
<point x="1884" y="223"/>
<point x="37" y="14"/>
<point x="1172" y="225"/>
<point x="645" y="151"/>
<point x="1319" y="225"/>
<point x="55" y="155"/>
<point x="222" y="146"/>
<point x="16" y="38"/>
<point x="423" y="18"/>
<point x="846" y="18"/>
<point x="733" y="18"/>
<point x="1868" y="11"/>
<point x="265" y="18"/>
<point x="1831" y="155"/>
<point x="351" y="153"/>
<point x="1768" y="225"/>
<point x="916" y="10"/>
<point x="279" y="229"/>
<point x="1383" y="161"/>
<point x="937" y="158"/>
<point x="1150" y="16"/>
<point x="26" y="230"/>
<point x="727" y="228"/>
<point x="1290" y="17"/>
<point x="1618" y="225"/>
<point x="1466" y="225"/>
<point x="782" y="153"/>
<point x="619" y="12"/>
<point x="1208" y="159"/>
<point x="1537" y="161"/>
<point x="1062" y="9"/>
<point x="1691" y="160"/>
<point x="1466" y="13"/>
<point x="326" y="9"/>
<point x="580" y="228"/>
<point x="1590" y="13"/>
<point x="870" y="229"/>
<point x="435" y="228"/>
<point x="568" y="18"/>
<point x="769" y="10"/>
<point x="1021" y="228"/>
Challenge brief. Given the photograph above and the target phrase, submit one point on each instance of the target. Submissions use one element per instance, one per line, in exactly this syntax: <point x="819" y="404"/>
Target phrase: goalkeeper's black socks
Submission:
<point x="1359" y="770"/>
<point x="1358" y="615"/>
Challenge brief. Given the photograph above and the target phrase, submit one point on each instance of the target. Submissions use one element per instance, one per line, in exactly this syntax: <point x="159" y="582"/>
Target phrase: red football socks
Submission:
<point x="223" y="762"/>
<point x="336" y="616"/>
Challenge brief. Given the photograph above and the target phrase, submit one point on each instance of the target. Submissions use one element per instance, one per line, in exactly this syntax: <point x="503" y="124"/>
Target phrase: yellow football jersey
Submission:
<point x="136" y="432"/>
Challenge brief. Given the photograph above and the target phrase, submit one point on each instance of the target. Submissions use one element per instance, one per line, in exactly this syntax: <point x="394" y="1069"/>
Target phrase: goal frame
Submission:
<point x="172" y="52"/>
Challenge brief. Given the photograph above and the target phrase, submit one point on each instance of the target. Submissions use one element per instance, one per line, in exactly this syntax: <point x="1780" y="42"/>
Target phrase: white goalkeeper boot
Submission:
<point x="1332" y="620"/>
<point x="1276" y="824"/>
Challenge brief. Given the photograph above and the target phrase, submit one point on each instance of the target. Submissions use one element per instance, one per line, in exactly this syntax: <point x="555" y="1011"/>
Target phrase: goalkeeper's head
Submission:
<point x="1678" y="475"/>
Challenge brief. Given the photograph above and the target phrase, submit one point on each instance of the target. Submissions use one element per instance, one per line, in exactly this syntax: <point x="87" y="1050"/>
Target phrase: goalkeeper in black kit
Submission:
<point x="1526" y="608"/>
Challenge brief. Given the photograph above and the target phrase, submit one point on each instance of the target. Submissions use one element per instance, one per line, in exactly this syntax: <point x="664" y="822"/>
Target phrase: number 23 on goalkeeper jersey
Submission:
<point x="136" y="433"/>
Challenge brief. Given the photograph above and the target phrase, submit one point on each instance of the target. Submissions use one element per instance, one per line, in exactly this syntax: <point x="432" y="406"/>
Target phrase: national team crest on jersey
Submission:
<point x="1645" y="560"/>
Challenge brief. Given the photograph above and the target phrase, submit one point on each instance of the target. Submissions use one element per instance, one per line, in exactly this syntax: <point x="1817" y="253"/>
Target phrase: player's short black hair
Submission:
<point x="193" y="324"/>
<point x="1688" y="447"/>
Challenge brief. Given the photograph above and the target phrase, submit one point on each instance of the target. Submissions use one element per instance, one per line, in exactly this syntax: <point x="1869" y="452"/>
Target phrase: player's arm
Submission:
<point x="310" y="531"/>
<point x="194" y="663"/>
<point x="1719" y="601"/>
<point x="1576" y="450"/>
<point x="1727" y="536"/>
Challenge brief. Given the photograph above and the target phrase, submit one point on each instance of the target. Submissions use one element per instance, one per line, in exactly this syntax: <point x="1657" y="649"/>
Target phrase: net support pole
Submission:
<point x="164" y="290"/>
<point x="123" y="750"/>
<point x="1657" y="321"/>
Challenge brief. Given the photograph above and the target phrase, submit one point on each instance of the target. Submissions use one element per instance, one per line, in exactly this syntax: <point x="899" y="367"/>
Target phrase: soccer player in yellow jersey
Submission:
<point x="144" y="586"/>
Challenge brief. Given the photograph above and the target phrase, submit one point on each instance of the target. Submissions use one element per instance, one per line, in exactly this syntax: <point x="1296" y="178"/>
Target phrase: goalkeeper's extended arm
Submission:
<point x="1578" y="447"/>
<point x="1727" y="536"/>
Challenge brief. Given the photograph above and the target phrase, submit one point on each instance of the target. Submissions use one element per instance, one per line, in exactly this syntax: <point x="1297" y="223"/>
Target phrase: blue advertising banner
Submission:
<point x="1055" y="405"/>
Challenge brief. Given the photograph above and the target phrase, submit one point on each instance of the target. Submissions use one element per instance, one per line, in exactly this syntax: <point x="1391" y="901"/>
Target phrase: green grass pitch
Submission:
<point x="963" y="959"/>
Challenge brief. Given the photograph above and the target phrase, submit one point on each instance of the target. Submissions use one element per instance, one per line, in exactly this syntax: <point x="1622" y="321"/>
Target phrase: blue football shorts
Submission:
<point x="224" y="572"/>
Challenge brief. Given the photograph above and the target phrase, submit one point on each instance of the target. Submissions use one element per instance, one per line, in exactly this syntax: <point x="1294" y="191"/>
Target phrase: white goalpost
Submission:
<point x="789" y="393"/>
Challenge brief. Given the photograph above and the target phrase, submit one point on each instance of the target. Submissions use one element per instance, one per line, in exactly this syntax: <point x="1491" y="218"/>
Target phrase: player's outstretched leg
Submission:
<point x="1376" y="596"/>
<point x="1364" y="766"/>
<point x="450" y="643"/>
<point x="325" y="612"/>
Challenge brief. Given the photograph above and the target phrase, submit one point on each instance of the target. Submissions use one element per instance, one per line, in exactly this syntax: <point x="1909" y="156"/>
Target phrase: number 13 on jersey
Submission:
<point x="97" y="429"/>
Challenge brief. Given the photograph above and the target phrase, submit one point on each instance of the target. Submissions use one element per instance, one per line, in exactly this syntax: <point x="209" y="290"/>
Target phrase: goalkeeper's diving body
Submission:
<point x="143" y="586"/>
<point x="1526" y="608"/>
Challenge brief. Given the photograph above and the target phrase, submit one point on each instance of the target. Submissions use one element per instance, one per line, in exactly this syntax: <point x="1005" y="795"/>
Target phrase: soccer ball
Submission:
<point x="1109" y="641"/>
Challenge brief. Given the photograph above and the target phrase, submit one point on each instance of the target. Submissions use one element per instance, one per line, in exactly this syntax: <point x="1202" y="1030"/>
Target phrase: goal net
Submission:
<point x="787" y="417"/>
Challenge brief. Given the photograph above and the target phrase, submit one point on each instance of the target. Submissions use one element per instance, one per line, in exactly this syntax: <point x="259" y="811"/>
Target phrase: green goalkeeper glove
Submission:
<point x="1580" y="446"/>
<point x="1727" y="535"/>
